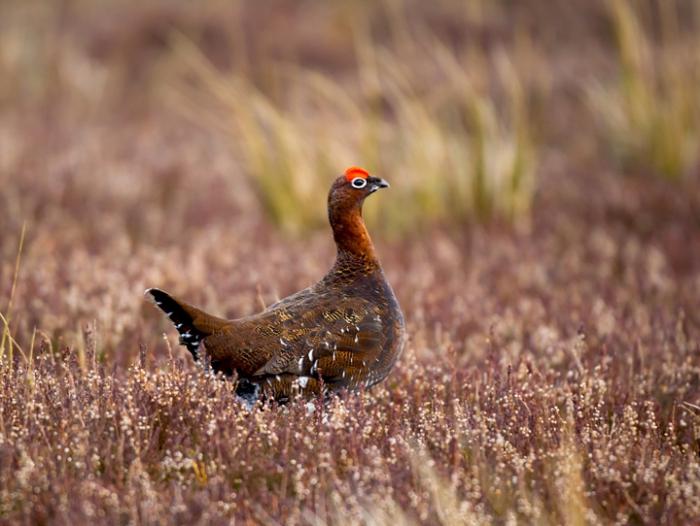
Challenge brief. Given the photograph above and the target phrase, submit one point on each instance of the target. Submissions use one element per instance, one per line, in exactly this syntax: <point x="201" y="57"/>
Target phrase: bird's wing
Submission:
<point x="333" y="340"/>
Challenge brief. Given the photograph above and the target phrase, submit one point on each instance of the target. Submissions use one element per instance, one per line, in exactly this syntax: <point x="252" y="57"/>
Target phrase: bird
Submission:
<point x="345" y="332"/>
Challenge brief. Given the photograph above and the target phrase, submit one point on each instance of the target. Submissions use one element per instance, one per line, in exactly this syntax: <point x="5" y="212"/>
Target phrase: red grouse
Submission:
<point x="345" y="331"/>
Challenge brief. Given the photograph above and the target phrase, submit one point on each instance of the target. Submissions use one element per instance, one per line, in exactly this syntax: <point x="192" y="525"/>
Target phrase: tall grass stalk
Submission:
<point x="6" y="333"/>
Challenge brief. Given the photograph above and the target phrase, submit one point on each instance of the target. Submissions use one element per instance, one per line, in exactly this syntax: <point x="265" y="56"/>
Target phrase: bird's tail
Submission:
<point x="193" y="324"/>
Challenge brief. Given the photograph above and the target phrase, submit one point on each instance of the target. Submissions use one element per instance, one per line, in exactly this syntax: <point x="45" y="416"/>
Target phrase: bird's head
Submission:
<point x="353" y="186"/>
<point x="345" y="199"/>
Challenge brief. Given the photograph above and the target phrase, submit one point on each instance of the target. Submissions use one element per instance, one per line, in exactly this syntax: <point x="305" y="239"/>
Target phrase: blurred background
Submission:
<point x="191" y="145"/>
<point x="542" y="234"/>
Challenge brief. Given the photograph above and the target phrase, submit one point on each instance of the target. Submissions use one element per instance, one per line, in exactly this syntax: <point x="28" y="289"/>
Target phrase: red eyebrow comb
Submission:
<point x="356" y="171"/>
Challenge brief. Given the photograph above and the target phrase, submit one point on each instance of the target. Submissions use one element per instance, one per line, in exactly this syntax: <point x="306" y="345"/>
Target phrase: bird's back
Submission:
<point x="347" y="333"/>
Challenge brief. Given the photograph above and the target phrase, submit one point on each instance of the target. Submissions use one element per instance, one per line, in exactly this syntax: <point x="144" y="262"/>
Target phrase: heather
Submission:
<point x="542" y="234"/>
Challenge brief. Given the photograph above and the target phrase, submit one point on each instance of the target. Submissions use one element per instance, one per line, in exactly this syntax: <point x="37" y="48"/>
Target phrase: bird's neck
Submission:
<point x="351" y="236"/>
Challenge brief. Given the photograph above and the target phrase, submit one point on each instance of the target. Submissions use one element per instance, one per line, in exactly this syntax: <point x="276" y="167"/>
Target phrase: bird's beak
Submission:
<point x="375" y="183"/>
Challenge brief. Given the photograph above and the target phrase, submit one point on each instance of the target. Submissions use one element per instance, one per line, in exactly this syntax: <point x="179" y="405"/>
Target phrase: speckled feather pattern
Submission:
<point x="346" y="331"/>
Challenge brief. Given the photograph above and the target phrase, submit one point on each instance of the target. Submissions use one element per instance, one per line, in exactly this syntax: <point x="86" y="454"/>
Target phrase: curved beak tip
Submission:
<point x="375" y="183"/>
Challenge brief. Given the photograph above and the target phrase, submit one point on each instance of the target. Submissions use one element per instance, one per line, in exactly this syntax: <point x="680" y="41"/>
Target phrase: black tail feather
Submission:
<point x="190" y="337"/>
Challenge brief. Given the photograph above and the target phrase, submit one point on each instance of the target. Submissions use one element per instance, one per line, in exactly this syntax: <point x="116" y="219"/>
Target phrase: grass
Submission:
<point x="651" y="114"/>
<point x="465" y="442"/>
<point x="460" y="153"/>
<point x="552" y="374"/>
<point x="7" y="343"/>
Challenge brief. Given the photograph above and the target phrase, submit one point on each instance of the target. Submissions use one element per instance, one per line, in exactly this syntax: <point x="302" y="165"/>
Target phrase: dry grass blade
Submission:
<point x="6" y="334"/>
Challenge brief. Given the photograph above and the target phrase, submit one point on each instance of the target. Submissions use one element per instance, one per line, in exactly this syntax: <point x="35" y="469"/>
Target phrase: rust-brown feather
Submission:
<point x="345" y="331"/>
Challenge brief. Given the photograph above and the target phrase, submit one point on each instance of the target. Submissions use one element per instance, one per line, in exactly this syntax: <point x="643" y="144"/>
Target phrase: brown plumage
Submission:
<point x="345" y="331"/>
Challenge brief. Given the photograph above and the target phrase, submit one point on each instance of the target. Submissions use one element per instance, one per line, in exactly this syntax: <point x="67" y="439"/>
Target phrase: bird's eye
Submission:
<point x="359" y="182"/>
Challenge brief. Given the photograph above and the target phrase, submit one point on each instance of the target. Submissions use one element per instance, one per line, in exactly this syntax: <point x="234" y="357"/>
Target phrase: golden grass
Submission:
<point x="651" y="114"/>
<point x="7" y="342"/>
<point x="453" y="151"/>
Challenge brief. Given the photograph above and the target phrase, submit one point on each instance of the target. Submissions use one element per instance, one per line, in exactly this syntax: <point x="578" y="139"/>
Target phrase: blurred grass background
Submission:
<point x="462" y="104"/>
<point x="651" y="114"/>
